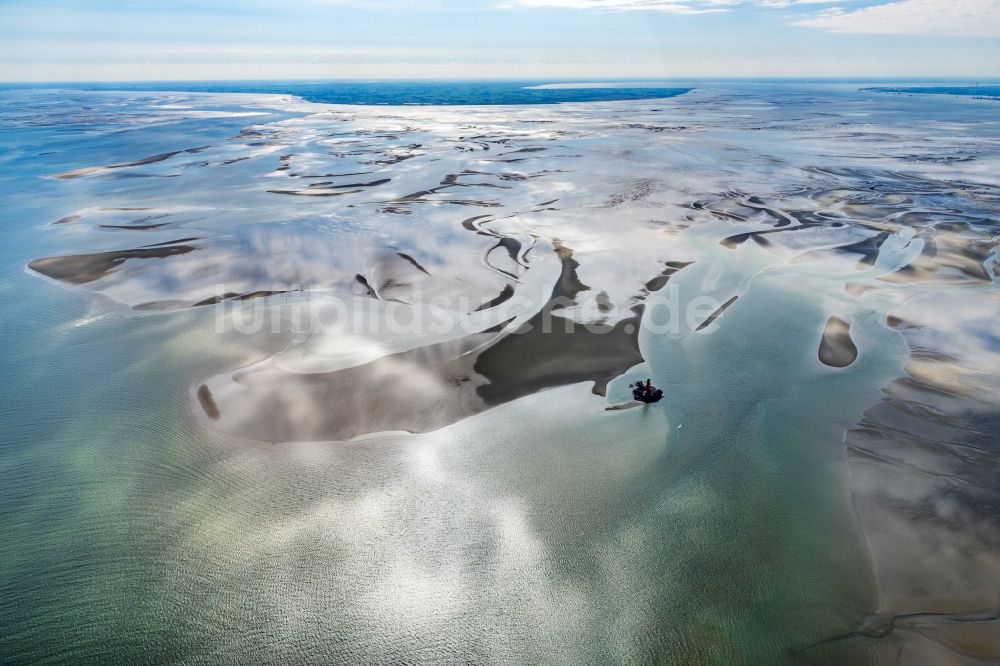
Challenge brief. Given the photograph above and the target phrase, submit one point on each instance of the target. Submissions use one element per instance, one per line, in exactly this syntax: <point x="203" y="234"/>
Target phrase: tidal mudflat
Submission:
<point x="290" y="381"/>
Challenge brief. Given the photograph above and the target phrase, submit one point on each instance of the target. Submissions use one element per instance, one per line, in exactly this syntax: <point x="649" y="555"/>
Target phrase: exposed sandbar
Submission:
<point x="837" y="348"/>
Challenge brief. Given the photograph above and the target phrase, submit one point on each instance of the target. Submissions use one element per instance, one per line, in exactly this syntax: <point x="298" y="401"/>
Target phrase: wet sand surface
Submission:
<point x="365" y="378"/>
<point x="837" y="349"/>
<point x="84" y="268"/>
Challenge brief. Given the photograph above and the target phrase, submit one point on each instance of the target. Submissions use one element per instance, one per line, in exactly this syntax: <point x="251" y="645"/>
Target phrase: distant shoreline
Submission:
<point x="990" y="92"/>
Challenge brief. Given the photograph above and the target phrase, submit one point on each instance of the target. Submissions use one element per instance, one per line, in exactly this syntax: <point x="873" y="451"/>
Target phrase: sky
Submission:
<point x="159" y="40"/>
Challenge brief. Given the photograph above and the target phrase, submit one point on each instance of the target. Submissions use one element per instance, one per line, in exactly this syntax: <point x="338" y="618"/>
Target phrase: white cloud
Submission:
<point x="665" y="6"/>
<point x="788" y="3"/>
<point x="964" y="18"/>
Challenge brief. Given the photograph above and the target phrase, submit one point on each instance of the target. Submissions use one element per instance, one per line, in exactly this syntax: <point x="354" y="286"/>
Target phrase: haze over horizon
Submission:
<point x="58" y="40"/>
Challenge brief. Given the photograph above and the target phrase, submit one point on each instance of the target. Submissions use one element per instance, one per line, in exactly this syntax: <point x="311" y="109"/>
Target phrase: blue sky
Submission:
<point x="104" y="40"/>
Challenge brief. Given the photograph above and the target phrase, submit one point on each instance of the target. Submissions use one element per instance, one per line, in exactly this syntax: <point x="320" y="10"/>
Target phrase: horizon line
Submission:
<point x="560" y="79"/>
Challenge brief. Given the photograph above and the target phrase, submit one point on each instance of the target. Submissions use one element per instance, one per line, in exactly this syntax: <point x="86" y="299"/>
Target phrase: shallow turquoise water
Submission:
<point x="717" y="527"/>
<point x="411" y="92"/>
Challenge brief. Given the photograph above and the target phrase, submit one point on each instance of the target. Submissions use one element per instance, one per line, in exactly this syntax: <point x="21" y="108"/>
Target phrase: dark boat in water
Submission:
<point x="640" y="393"/>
